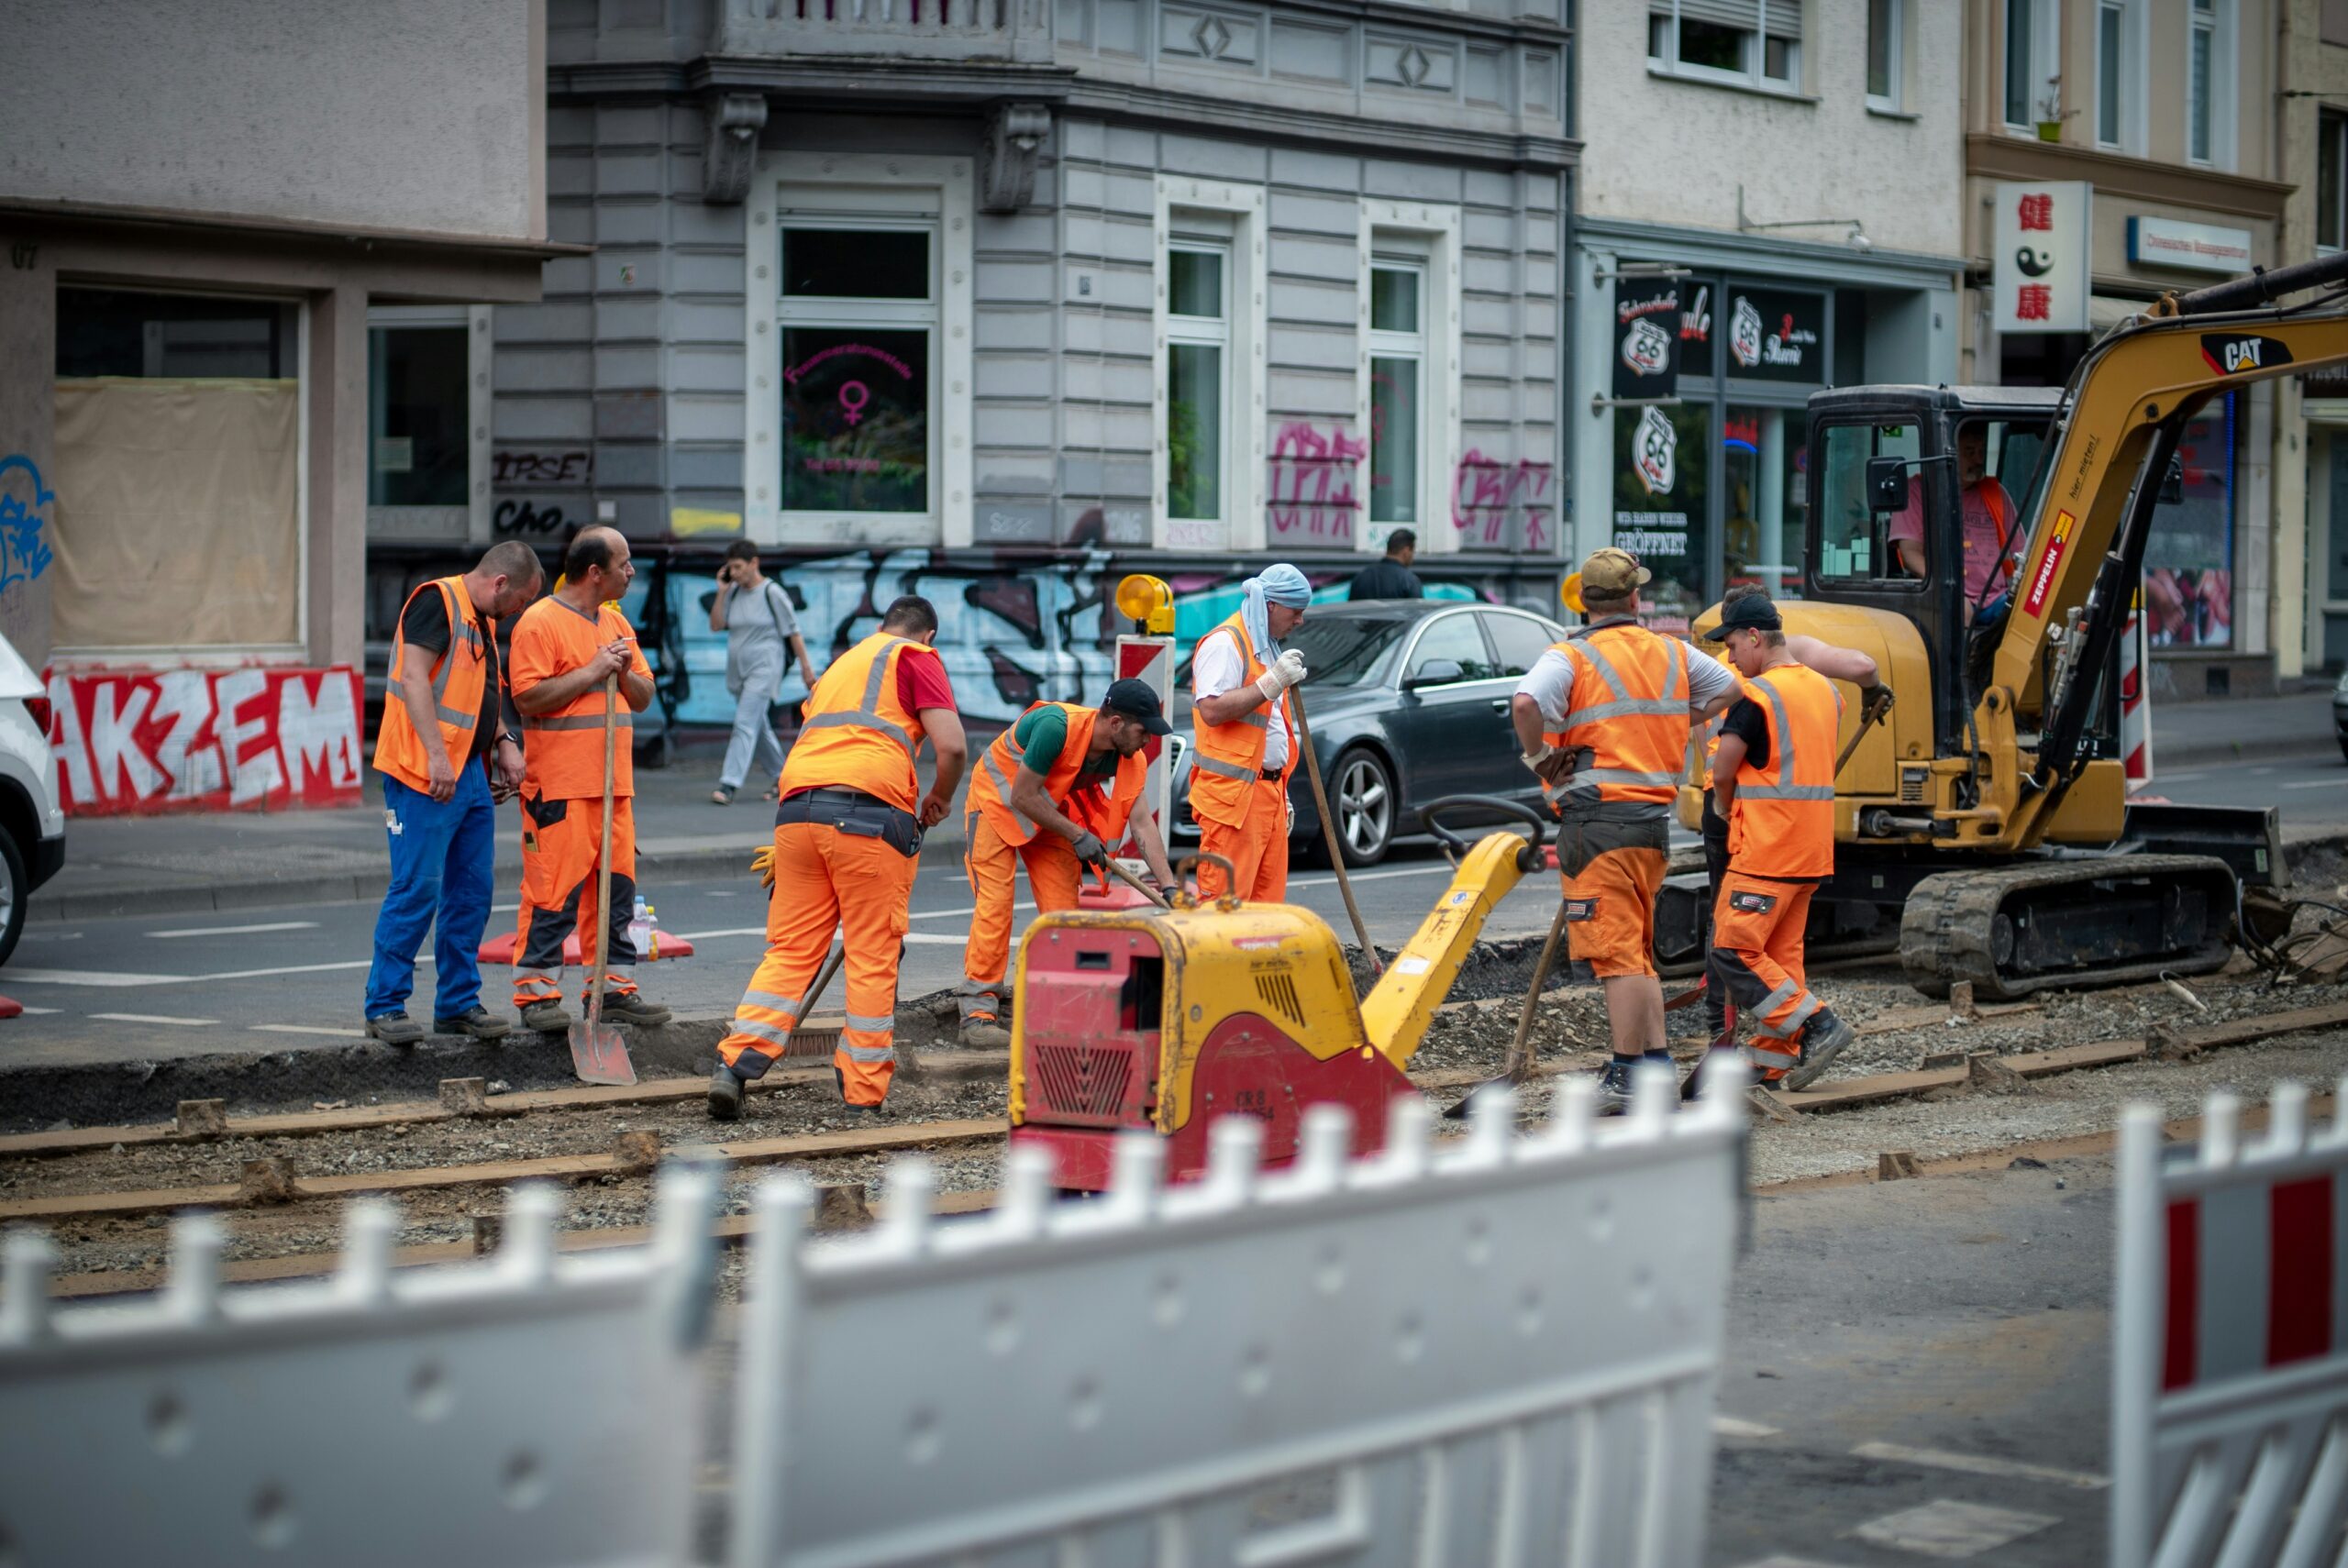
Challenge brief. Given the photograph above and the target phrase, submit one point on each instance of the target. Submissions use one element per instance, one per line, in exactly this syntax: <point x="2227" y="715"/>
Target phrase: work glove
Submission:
<point x="1874" y="702"/>
<point x="1091" y="850"/>
<point x="763" y="863"/>
<point x="1287" y="670"/>
<point x="1535" y="759"/>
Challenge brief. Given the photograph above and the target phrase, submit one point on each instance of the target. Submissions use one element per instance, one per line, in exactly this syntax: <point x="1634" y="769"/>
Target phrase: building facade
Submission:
<point x="998" y="301"/>
<point x="1769" y="206"/>
<point x="2312" y="412"/>
<point x="2149" y="128"/>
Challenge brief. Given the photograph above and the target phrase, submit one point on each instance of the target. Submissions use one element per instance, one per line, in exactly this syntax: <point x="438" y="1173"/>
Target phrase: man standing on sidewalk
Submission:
<point x="565" y="647"/>
<point x="847" y="843"/>
<point x="443" y="725"/>
<point x="1392" y="577"/>
<point x="1240" y="678"/>
<point x="1056" y="792"/>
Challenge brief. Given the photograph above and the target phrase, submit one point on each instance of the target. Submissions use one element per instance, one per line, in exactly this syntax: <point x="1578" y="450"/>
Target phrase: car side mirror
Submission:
<point x="1887" y="483"/>
<point x="1436" y="672"/>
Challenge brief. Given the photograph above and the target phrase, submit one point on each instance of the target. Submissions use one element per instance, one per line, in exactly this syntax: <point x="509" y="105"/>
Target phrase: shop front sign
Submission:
<point x="1776" y="334"/>
<point x="1647" y="338"/>
<point x="2188" y="246"/>
<point x="2042" y="245"/>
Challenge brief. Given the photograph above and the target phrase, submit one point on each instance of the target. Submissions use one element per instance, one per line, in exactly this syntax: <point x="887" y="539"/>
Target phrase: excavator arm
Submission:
<point x="2122" y="417"/>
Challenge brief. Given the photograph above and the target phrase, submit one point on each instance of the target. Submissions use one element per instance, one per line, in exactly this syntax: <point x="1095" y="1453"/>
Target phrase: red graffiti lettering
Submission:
<point x="1311" y="493"/>
<point x="138" y="741"/>
<point x="1504" y="505"/>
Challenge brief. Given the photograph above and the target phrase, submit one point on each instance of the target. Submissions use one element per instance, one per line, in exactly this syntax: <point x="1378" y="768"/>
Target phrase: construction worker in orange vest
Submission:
<point x="847" y="843"/>
<point x="1773" y="774"/>
<point x="1603" y="720"/>
<point x="1056" y="792"/>
<point x="1834" y="663"/>
<point x="444" y="727"/>
<point x="1240" y="678"/>
<point x="565" y="647"/>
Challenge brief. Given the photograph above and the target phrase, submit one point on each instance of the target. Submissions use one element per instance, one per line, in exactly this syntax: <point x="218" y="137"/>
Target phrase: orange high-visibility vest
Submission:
<point x="1100" y="814"/>
<point x="857" y="733"/>
<point x="458" y="676"/>
<point x="1229" y="759"/>
<point x="563" y="750"/>
<point x="1630" y="711"/>
<point x="1782" y="824"/>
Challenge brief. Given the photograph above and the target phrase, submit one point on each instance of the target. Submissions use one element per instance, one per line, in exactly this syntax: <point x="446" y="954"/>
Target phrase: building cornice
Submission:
<point x="103" y="214"/>
<point x="1994" y="156"/>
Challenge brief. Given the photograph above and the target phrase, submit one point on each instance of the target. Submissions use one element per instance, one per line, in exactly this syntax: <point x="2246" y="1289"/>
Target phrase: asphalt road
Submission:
<point x="2311" y="790"/>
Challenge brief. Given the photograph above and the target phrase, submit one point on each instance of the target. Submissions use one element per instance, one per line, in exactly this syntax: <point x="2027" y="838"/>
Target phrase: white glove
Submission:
<point x="1534" y="760"/>
<point x="1287" y="670"/>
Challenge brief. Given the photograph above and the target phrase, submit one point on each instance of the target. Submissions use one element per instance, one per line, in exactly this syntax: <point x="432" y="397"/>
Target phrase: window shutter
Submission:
<point x="1785" y="19"/>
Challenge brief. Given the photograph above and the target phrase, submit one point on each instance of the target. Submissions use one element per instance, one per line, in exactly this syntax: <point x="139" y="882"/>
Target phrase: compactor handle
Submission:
<point x="1432" y="811"/>
<point x="1188" y="866"/>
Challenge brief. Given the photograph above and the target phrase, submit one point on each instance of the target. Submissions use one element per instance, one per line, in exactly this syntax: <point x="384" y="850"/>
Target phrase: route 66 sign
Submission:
<point x="1647" y="349"/>
<point x="1655" y="452"/>
<point x="1745" y="332"/>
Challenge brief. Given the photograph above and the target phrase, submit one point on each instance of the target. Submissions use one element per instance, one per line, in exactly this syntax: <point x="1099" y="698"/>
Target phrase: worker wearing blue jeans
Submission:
<point x="443" y="857"/>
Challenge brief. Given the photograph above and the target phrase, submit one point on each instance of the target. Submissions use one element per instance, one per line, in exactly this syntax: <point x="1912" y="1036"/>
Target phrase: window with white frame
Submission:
<point x="2209" y="83"/>
<point x="2033" y="63"/>
<point x="2119" y="75"/>
<point x="1198" y="378"/>
<point x="2331" y="181"/>
<point x="1887" y="56"/>
<point x="858" y="321"/>
<point x="1753" y="43"/>
<point x="1398" y="376"/>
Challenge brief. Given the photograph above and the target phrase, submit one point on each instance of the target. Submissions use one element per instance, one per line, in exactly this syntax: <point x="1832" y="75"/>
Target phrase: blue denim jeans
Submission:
<point x="443" y="870"/>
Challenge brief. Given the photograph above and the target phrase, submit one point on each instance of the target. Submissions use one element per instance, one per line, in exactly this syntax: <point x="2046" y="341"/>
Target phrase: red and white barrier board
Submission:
<point x="2230" y="1343"/>
<point x="1151" y="659"/>
<point x="134" y="742"/>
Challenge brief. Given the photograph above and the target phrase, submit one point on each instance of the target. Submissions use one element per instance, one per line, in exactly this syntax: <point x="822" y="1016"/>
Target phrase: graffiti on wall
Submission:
<point x="1504" y="505"/>
<point x="576" y="466"/>
<point x="134" y="742"/>
<point x="1311" y="488"/>
<point x="23" y="515"/>
<point x="525" y="517"/>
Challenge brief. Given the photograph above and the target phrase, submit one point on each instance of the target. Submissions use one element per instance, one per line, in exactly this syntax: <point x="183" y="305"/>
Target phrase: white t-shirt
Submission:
<point x="1216" y="668"/>
<point x="1550" y="683"/>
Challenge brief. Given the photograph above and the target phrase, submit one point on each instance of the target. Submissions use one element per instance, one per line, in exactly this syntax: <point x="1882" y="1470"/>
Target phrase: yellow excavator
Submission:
<point x="1987" y="819"/>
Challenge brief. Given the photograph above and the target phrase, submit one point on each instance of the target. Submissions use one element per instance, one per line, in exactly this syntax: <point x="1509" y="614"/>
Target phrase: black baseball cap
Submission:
<point x="1134" y="700"/>
<point x="1753" y="612"/>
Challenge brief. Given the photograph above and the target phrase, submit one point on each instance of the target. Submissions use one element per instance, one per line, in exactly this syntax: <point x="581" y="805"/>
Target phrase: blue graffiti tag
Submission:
<point x="23" y="555"/>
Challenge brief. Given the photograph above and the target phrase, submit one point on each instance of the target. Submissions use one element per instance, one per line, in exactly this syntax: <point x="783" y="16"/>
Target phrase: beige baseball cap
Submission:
<point x="1611" y="573"/>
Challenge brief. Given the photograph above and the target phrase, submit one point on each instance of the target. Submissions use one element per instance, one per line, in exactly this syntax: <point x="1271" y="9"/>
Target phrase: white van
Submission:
<point x="32" y="827"/>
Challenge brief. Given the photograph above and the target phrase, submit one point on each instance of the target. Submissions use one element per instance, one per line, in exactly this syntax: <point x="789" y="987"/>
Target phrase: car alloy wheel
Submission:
<point x="1364" y="807"/>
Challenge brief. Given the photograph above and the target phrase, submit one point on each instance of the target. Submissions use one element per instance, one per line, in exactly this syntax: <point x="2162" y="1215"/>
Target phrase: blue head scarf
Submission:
<point x="1278" y="584"/>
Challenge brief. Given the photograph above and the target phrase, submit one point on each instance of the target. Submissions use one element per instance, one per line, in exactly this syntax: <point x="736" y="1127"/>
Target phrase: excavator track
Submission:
<point x="2014" y="930"/>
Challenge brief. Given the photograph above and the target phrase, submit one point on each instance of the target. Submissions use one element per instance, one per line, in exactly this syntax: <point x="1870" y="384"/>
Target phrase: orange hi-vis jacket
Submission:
<point x="1100" y="814"/>
<point x="1630" y="711"/>
<point x="458" y="676"/>
<point x="1229" y="759"/>
<point x="562" y="751"/>
<point x="856" y="734"/>
<point x="1782" y="822"/>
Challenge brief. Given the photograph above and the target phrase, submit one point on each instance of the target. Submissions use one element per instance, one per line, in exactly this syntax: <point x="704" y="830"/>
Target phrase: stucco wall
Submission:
<point x="1664" y="151"/>
<point x="419" y="116"/>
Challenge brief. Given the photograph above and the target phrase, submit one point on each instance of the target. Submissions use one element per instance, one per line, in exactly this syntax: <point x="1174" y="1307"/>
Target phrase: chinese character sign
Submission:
<point x="2042" y="244"/>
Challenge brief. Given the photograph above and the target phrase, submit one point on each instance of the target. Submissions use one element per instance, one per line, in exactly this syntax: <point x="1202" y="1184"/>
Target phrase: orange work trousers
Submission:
<point x="1054" y="875"/>
<point x="560" y="843"/>
<point x="826" y="881"/>
<point x="1611" y="872"/>
<point x="1257" y="848"/>
<point x="1757" y="959"/>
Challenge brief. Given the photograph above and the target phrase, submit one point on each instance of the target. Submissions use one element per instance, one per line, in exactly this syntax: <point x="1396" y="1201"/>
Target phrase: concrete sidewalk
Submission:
<point x="235" y="860"/>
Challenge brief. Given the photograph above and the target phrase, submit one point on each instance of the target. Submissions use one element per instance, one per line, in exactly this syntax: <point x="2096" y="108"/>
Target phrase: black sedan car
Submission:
<point x="1408" y="701"/>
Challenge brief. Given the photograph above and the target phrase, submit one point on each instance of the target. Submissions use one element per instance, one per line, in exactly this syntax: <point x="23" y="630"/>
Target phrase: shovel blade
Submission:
<point x="599" y="1054"/>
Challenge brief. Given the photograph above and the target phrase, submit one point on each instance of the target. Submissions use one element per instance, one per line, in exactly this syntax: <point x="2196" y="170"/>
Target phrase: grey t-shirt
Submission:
<point x="758" y="622"/>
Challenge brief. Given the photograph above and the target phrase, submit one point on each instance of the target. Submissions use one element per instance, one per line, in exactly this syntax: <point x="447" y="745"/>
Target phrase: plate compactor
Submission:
<point x="1167" y="1019"/>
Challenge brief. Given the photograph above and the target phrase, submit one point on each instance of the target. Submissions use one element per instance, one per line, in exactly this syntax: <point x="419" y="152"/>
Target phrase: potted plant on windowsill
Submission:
<point x="2050" y="113"/>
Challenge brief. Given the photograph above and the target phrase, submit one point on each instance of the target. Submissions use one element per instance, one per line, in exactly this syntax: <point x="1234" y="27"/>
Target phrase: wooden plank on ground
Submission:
<point x="2071" y="1058"/>
<point x="1861" y="1091"/>
<point x="2266" y="1026"/>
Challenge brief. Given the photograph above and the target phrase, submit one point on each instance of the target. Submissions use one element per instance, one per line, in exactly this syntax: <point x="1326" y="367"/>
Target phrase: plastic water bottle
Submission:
<point x="640" y="929"/>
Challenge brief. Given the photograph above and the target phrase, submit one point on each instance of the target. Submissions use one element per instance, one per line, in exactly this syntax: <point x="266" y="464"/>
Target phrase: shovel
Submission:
<point x="598" y="1051"/>
<point x="1520" y="1052"/>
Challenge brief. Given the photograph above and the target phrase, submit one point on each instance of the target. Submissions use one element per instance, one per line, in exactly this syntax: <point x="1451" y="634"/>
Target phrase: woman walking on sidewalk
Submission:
<point x="762" y="633"/>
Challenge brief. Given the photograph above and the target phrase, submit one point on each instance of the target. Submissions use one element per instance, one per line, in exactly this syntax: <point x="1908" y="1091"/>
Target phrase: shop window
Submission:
<point x="1887" y="54"/>
<point x="1765" y="506"/>
<point x="1854" y="541"/>
<point x="2033" y="63"/>
<point x="1198" y="379"/>
<point x="1398" y="345"/>
<point x="2331" y="181"/>
<point x="153" y="551"/>
<point x="858" y="318"/>
<point x="2188" y="558"/>
<point x="1662" y="485"/>
<point x="2208" y="84"/>
<point x="1749" y="42"/>
<point x="419" y="448"/>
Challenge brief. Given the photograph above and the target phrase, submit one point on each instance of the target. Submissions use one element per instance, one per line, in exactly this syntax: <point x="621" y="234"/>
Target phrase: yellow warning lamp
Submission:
<point x="1569" y="592"/>
<point x="1147" y="602"/>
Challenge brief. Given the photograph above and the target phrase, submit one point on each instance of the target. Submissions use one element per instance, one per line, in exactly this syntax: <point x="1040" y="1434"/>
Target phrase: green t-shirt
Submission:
<point x="1042" y="734"/>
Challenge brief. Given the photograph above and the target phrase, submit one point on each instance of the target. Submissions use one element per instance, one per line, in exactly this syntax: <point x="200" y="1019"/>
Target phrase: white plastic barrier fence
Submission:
<point x="528" y="1409"/>
<point x="2230" y="1372"/>
<point x="1503" y="1351"/>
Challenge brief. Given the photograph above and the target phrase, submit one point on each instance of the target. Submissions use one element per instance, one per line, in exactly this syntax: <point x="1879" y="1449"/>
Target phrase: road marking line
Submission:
<point x="290" y="969"/>
<point x="935" y="939"/>
<point x="237" y="930"/>
<point x="1779" y="1560"/>
<point x="38" y="976"/>
<point x="712" y="935"/>
<point x="1331" y="880"/>
<point x="37" y="1011"/>
<point x="156" y="1018"/>
<point x="503" y="909"/>
<point x="2315" y="784"/>
<point x="1943" y="1528"/>
<point x="1729" y="1426"/>
<point x="311" y="1029"/>
<point x="1980" y="1465"/>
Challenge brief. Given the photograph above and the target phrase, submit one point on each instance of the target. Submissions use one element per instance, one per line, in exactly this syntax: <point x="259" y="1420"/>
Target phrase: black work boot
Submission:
<point x="626" y="1006"/>
<point x="725" y="1095"/>
<point x="545" y="1016"/>
<point x="480" y="1023"/>
<point x="394" y="1029"/>
<point x="1614" y="1087"/>
<point x="1822" y="1042"/>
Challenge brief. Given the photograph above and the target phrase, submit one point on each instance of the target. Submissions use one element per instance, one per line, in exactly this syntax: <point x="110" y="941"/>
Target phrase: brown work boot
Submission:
<point x="545" y="1015"/>
<point x="984" y="1035"/>
<point x="626" y="1006"/>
